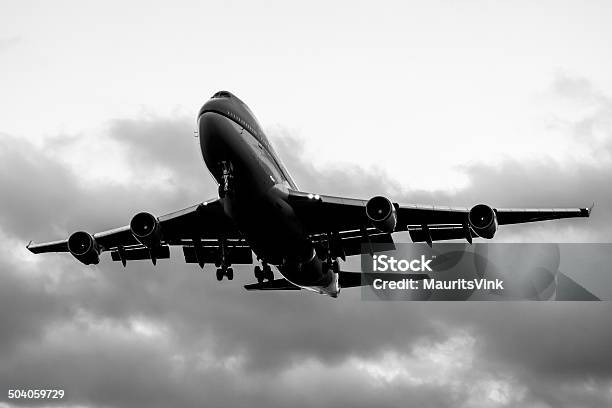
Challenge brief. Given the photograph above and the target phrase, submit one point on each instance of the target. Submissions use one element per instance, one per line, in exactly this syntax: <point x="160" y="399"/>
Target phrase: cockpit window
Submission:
<point x="221" y="94"/>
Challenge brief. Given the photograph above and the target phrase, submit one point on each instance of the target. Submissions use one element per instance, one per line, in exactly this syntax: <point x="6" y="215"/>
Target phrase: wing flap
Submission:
<point x="443" y="233"/>
<point x="136" y="254"/>
<point x="212" y="254"/>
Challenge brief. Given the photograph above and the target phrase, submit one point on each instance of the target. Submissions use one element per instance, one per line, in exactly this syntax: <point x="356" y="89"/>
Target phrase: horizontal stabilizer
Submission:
<point x="276" y="284"/>
<point x="569" y="289"/>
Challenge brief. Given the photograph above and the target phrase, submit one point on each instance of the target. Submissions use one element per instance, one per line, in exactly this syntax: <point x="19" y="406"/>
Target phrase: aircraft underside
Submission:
<point x="260" y="210"/>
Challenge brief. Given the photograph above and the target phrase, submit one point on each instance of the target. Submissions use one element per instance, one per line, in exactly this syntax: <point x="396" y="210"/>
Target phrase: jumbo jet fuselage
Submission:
<point x="253" y="186"/>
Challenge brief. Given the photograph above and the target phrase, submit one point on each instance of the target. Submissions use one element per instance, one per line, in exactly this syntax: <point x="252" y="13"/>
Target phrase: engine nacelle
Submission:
<point x="145" y="228"/>
<point x="84" y="248"/>
<point x="381" y="213"/>
<point x="483" y="221"/>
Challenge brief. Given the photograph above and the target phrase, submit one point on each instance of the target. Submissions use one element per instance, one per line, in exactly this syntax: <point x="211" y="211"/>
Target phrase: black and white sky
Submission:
<point x="432" y="102"/>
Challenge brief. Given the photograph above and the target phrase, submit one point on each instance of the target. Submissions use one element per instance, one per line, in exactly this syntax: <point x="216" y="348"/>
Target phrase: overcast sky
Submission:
<point x="439" y="102"/>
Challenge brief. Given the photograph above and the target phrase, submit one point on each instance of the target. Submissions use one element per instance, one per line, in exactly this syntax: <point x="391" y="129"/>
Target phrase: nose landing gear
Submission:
<point x="224" y="267"/>
<point x="227" y="179"/>
<point x="225" y="271"/>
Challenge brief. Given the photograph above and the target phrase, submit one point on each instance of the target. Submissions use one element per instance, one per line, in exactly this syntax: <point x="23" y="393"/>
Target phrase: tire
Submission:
<point x="230" y="274"/>
<point x="219" y="275"/>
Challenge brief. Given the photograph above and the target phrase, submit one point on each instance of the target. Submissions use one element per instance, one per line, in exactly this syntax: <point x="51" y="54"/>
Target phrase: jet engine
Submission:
<point x="483" y="221"/>
<point x="145" y="228"/>
<point x="84" y="248"/>
<point x="381" y="213"/>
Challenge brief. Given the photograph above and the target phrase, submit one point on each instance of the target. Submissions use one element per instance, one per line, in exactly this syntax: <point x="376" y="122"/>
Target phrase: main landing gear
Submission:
<point x="335" y="266"/>
<point x="330" y="262"/>
<point x="263" y="273"/>
<point x="225" y="270"/>
<point x="227" y="179"/>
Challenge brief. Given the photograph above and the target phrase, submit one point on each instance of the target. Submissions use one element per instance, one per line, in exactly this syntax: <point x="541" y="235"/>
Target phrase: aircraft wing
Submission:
<point x="329" y="217"/>
<point x="202" y="230"/>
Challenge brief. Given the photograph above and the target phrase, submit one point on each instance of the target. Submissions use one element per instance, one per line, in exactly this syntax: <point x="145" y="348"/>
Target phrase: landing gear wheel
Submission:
<point x="221" y="191"/>
<point x="335" y="267"/>
<point x="259" y="275"/>
<point x="220" y="274"/>
<point x="229" y="273"/>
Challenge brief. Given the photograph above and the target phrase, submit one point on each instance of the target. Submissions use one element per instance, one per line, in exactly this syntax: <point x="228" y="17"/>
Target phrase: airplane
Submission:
<point x="260" y="210"/>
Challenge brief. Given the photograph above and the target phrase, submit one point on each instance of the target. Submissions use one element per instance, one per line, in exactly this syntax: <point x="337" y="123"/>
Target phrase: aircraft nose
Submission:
<point x="209" y="123"/>
<point x="215" y="127"/>
<point x="221" y="101"/>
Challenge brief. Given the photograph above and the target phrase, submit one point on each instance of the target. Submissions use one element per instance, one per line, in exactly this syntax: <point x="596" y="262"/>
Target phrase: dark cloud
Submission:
<point x="171" y="335"/>
<point x="49" y="195"/>
<point x="167" y="144"/>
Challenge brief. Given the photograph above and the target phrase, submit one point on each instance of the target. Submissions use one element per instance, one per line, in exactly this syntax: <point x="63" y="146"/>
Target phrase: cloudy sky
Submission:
<point x="439" y="102"/>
